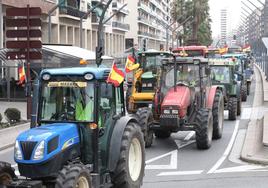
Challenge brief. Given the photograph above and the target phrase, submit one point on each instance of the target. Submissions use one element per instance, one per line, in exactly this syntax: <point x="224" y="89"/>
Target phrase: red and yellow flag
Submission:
<point x="116" y="76"/>
<point x="22" y="75"/>
<point x="130" y="64"/>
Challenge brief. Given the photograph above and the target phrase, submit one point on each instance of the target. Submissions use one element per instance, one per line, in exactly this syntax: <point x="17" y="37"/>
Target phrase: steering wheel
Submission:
<point x="69" y="115"/>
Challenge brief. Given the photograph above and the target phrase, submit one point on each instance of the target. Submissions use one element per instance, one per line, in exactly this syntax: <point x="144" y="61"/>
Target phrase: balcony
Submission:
<point x="116" y="6"/>
<point x="120" y="26"/>
<point x="70" y="9"/>
<point x="148" y="35"/>
<point x="95" y="20"/>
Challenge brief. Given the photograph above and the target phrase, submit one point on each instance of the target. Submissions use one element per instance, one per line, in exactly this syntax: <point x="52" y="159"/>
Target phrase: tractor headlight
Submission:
<point x="149" y="85"/>
<point x="17" y="151"/>
<point x="144" y="85"/>
<point x="166" y="111"/>
<point x="39" y="152"/>
<point x="46" y="77"/>
<point x="175" y="111"/>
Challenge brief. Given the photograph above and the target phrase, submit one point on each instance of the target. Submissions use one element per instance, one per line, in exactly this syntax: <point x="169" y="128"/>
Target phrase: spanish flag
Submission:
<point x="22" y="75"/>
<point x="223" y="50"/>
<point x="116" y="76"/>
<point x="130" y="64"/>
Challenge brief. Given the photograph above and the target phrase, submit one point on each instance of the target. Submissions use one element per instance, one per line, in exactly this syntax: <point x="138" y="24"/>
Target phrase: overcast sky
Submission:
<point x="234" y="10"/>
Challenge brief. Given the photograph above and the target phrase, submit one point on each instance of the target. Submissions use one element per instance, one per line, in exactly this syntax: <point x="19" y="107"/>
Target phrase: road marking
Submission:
<point x="246" y="112"/>
<point x="180" y="173"/>
<point x="189" y="135"/>
<point x="227" y="150"/>
<point x="242" y="168"/>
<point x="173" y="161"/>
<point x="184" y="145"/>
<point x="17" y="173"/>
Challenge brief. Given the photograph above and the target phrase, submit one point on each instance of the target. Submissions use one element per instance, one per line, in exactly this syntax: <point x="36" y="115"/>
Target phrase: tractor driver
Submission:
<point x="186" y="74"/>
<point x="221" y="74"/>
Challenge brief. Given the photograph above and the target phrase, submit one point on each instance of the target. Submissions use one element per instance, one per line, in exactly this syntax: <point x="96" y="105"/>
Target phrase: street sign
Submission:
<point x="33" y="11"/>
<point x="23" y="44"/>
<point x="33" y="22"/>
<point x="23" y="33"/>
<point x="23" y="55"/>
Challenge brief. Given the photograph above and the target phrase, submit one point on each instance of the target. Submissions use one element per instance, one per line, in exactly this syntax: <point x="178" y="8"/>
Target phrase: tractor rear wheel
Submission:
<point x="146" y="120"/>
<point x="248" y="88"/>
<point x="232" y="108"/>
<point x="244" y="92"/>
<point x="7" y="173"/>
<point x="204" y="129"/>
<point x="218" y="115"/>
<point x="239" y="104"/>
<point x="130" y="168"/>
<point x="162" y="134"/>
<point x="74" y="175"/>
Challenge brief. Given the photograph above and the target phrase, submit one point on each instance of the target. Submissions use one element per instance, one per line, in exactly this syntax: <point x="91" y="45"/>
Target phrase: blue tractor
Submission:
<point x="83" y="136"/>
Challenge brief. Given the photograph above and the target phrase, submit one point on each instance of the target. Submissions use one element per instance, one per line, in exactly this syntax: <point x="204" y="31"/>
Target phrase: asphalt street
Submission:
<point x="176" y="162"/>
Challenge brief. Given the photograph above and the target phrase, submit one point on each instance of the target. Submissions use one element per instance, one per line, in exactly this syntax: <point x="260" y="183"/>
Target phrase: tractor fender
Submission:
<point x="211" y="96"/>
<point x="116" y="138"/>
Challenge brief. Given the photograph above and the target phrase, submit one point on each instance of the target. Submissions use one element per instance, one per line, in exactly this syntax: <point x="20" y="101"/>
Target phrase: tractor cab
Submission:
<point x="223" y="73"/>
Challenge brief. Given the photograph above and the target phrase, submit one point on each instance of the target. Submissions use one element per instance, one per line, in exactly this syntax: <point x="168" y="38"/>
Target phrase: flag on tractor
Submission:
<point x="22" y="76"/>
<point x="131" y="64"/>
<point x="247" y="48"/>
<point x="223" y="50"/>
<point x="116" y="76"/>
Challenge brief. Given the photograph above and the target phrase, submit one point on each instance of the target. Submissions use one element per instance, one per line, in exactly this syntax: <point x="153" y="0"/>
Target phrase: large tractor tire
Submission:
<point x="244" y="93"/>
<point x="162" y="134"/>
<point x="204" y="129"/>
<point x="130" y="168"/>
<point x="7" y="174"/>
<point x="232" y="108"/>
<point x="248" y="88"/>
<point x="146" y="120"/>
<point x="74" y="175"/>
<point x="218" y="115"/>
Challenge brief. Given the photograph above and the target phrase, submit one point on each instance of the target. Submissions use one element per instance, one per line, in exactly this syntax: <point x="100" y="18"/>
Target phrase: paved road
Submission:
<point x="175" y="162"/>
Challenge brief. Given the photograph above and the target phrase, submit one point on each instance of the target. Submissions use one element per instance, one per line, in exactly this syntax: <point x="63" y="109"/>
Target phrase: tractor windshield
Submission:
<point x="187" y="74"/>
<point x="67" y="101"/>
<point x="220" y="74"/>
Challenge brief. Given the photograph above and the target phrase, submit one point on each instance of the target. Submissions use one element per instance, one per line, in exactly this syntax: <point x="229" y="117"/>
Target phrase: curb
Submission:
<point x="264" y="84"/>
<point x="253" y="149"/>
<point x="9" y="135"/>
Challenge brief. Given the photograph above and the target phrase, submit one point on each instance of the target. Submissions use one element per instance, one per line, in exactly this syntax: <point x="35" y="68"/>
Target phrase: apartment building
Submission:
<point x="223" y="27"/>
<point x="148" y="21"/>
<point x="66" y="21"/>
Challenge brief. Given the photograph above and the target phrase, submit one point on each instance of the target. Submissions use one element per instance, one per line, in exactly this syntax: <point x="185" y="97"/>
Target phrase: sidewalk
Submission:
<point x="254" y="148"/>
<point x="22" y="106"/>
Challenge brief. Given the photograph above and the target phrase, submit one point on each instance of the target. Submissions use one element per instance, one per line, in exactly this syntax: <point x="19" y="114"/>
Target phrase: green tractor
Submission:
<point x="240" y="72"/>
<point x="224" y="75"/>
<point x="83" y="137"/>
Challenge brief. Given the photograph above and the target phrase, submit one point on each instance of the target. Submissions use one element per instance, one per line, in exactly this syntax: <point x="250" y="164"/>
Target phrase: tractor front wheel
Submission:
<point x="204" y="129"/>
<point x="74" y="175"/>
<point x="244" y="93"/>
<point x="7" y="173"/>
<point x="232" y="108"/>
<point x="146" y="120"/>
<point x="218" y="115"/>
<point x="162" y="134"/>
<point x="130" y="168"/>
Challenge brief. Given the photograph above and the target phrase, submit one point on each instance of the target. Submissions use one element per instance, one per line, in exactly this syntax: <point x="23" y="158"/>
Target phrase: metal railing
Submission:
<point x="120" y="25"/>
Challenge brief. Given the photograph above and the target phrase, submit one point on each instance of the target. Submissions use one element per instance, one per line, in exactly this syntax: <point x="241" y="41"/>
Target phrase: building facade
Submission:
<point x="66" y="21"/>
<point x="148" y="21"/>
<point x="223" y="27"/>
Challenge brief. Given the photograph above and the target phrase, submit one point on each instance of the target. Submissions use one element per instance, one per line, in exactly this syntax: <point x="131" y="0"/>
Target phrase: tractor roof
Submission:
<point x="155" y="52"/>
<point x="236" y="55"/>
<point x="191" y="60"/>
<point x="99" y="73"/>
<point x="221" y="62"/>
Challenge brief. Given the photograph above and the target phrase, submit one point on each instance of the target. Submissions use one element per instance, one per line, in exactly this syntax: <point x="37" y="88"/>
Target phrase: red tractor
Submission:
<point x="186" y="101"/>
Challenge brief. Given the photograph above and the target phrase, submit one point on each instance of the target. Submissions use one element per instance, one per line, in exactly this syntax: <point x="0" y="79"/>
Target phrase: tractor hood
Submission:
<point x="177" y="99"/>
<point x="54" y="137"/>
